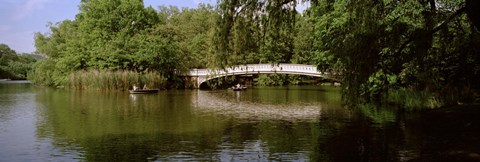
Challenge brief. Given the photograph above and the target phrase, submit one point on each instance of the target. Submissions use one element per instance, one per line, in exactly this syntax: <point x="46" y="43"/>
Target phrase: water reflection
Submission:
<point x="180" y="125"/>
<point x="17" y="122"/>
<point x="239" y="105"/>
<point x="41" y="124"/>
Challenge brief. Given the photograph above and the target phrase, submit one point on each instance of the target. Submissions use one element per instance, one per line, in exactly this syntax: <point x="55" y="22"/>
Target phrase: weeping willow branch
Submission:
<point x="434" y="30"/>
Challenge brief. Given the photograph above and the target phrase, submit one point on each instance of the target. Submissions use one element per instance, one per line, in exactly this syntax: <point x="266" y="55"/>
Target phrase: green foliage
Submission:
<point x="413" y="100"/>
<point x="303" y="40"/>
<point x="6" y="54"/>
<point x="222" y="82"/>
<point x="12" y="65"/>
<point x="295" y="79"/>
<point x="252" y="31"/>
<point x="45" y="73"/>
<point x="107" y="29"/>
<point x="390" y="44"/>
<point x="378" y="83"/>
<point x="156" y="53"/>
<point x="118" y="35"/>
<point x="376" y="46"/>
<point x="271" y="80"/>
<point x="191" y="30"/>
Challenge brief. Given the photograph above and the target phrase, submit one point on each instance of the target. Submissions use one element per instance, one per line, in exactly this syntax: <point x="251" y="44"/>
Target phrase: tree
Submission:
<point x="389" y="44"/>
<point x="252" y="31"/>
<point x="107" y="26"/>
<point x="192" y="30"/>
<point x="472" y="7"/>
<point x="6" y="54"/>
<point x="12" y="65"/>
<point x="117" y="35"/>
<point x="304" y="40"/>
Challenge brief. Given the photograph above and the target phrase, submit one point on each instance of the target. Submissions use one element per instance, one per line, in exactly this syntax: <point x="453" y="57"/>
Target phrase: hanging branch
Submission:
<point x="434" y="30"/>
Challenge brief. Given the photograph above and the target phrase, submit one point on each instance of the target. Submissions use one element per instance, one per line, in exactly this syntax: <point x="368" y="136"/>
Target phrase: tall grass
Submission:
<point x="115" y="80"/>
<point x="413" y="100"/>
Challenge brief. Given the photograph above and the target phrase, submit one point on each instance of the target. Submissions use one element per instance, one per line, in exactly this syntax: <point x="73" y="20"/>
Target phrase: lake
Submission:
<point x="290" y="123"/>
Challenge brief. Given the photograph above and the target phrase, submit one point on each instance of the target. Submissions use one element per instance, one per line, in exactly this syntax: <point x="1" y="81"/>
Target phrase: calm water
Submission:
<point x="296" y="123"/>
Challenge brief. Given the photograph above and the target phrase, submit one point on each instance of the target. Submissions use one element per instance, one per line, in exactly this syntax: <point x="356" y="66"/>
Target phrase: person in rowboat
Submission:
<point x="135" y="87"/>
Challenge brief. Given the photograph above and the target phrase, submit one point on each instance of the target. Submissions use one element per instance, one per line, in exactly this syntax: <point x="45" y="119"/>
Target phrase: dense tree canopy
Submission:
<point x="377" y="46"/>
<point x="13" y="65"/>
<point x="124" y="35"/>
<point x="423" y="45"/>
<point x="252" y="31"/>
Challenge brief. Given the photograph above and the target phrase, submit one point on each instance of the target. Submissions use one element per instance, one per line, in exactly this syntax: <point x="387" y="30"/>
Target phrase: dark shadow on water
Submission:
<point x="447" y="134"/>
<point x="451" y="134"/>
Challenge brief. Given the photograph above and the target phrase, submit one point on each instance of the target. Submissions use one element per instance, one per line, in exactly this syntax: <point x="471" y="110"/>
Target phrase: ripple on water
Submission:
<point x="209" y="103"/>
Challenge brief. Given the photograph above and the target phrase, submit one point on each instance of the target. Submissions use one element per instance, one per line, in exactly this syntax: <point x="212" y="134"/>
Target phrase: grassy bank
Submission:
<point x="115" y="80"/>
<point x="413" y="100"/>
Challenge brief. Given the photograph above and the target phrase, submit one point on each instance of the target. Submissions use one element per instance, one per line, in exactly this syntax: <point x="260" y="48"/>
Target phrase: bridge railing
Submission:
<point x="257" y="68"/>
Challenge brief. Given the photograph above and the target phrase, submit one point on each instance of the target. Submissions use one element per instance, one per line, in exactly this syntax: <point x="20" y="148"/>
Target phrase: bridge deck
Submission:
<point x="258" y="68"/>
<point x="298" y="69"/>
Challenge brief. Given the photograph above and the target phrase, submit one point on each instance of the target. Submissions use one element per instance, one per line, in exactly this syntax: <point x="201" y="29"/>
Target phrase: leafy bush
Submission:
<point x="272" y="80"/>
<point x="45" y="73"/>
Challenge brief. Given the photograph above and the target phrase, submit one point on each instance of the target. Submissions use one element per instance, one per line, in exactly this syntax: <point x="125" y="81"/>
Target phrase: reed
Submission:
<point x="115" y="80"/>
<point x="413" y="100"/>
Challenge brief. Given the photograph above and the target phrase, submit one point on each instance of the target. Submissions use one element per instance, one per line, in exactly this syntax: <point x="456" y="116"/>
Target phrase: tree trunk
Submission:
<point x="473" y="13"/>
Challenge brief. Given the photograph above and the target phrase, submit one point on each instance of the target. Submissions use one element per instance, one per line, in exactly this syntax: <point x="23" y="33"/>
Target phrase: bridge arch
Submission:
<point x="204" y="75"/>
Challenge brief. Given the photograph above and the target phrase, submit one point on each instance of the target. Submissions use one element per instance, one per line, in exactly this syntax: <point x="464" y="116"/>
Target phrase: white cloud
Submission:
<point x="28" y="8"/>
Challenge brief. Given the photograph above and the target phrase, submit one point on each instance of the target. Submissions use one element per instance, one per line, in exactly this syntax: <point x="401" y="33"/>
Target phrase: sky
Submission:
<point x="21" y="19"/>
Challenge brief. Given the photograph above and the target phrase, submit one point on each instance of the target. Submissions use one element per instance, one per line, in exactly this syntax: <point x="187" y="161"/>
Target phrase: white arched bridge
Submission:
<point x="202" y="75"/>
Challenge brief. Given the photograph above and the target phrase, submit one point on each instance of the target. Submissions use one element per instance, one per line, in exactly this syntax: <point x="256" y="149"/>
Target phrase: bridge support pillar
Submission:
<point x="191" y="82"/>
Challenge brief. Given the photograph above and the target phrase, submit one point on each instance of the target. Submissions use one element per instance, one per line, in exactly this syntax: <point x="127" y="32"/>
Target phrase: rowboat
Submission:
<point x="239" y="88"/>
<point x="143" y="91"/>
